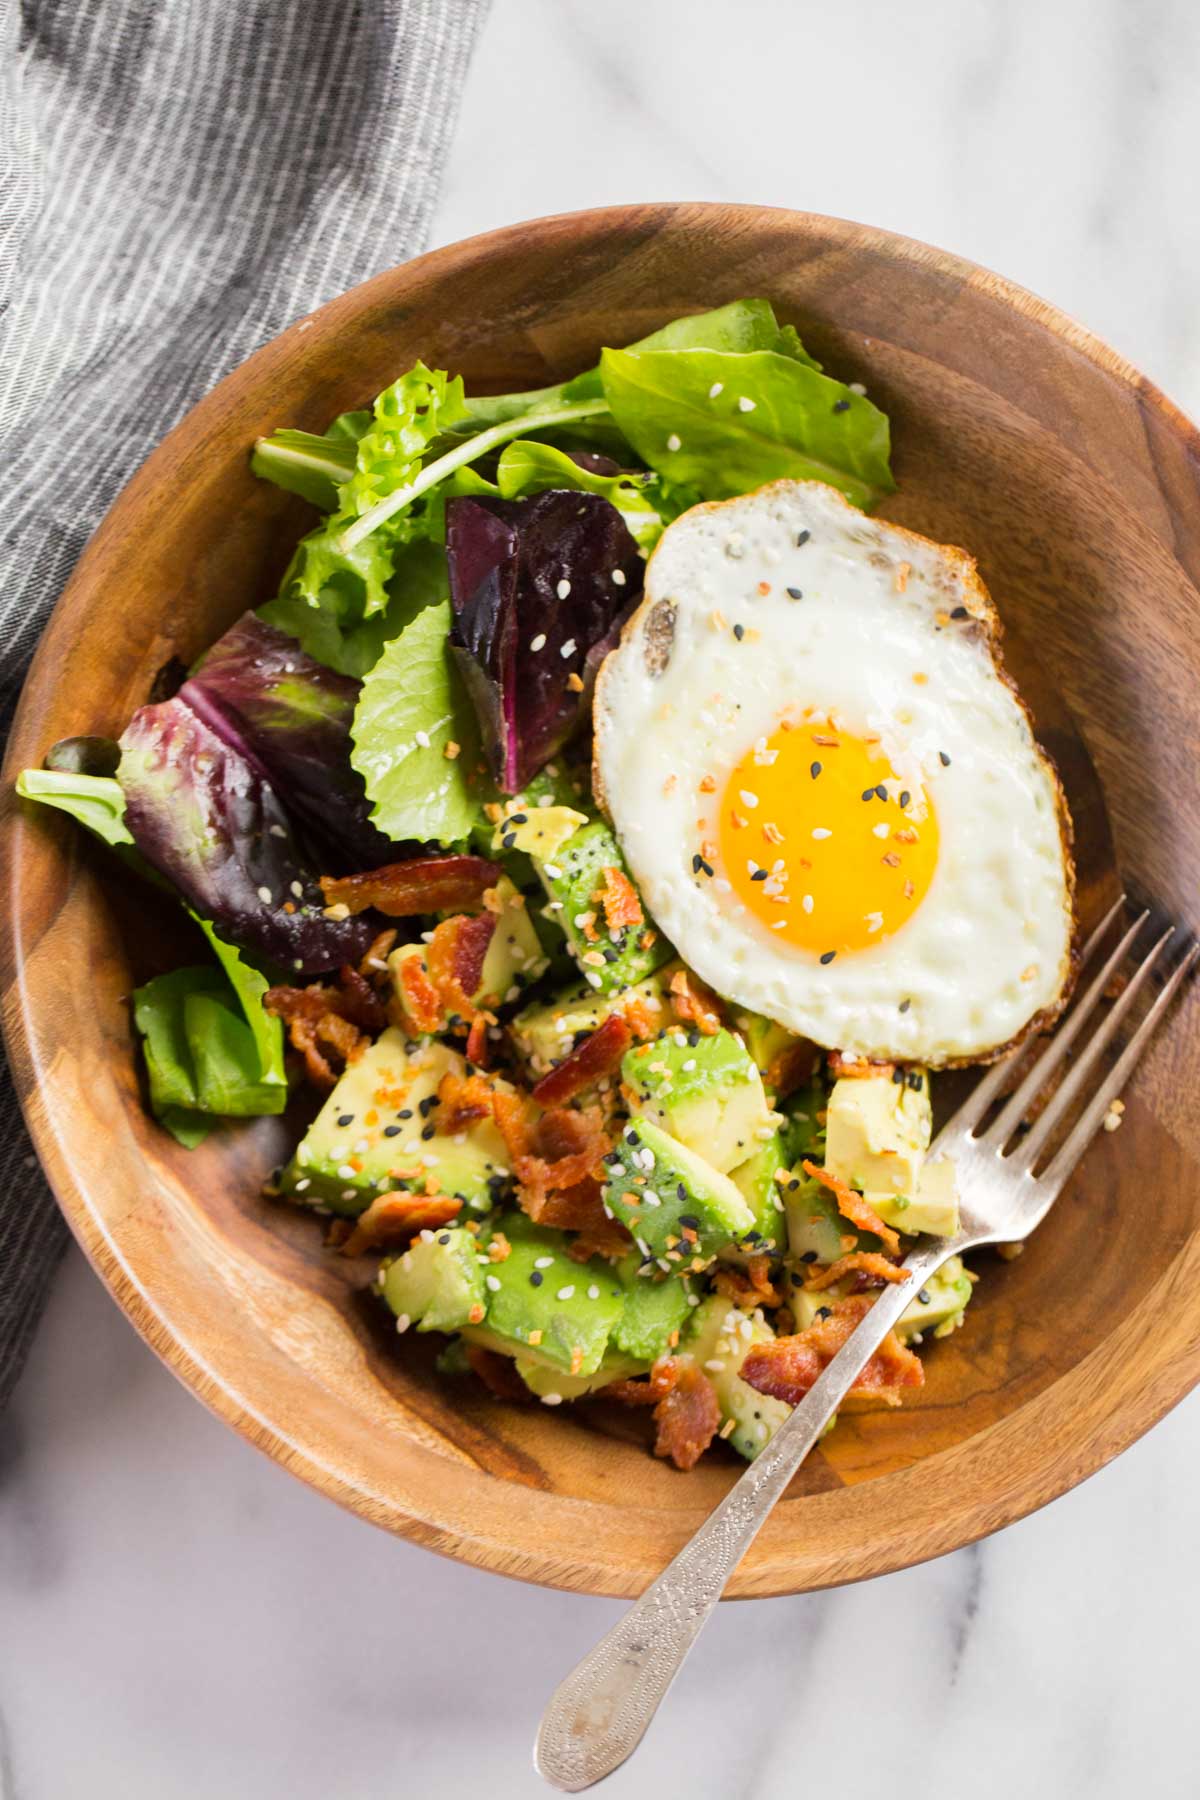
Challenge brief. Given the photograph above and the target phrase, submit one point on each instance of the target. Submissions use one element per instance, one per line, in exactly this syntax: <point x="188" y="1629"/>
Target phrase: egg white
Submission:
<point x="989" y="950"/>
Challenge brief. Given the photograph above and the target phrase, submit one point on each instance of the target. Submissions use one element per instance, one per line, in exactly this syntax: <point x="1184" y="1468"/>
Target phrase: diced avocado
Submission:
<point x="678" y="1207"/>
<point x="721" y="1334"/>
<point x="877" y="1131"/>
<point x="539" y="831"/>
<point x="815" y="1227"/>
<point x="703" y="1091"/>
<point x="543" y="1034"/>
<point x="656" y="1306"/>
<point x="374" y="1134"/>
<point x="755" y="1180"/>
<point x="559" y="1311"/>
<point x="939" y="1305"/>
<point x="764" y="1039"/>
<point x="552" y="1384"/>
<point x="933" y="1208"/>
<point x="804" y="1124"/>
<point x="806" y="1304"/>
<point x="574" y="879"/>
<point x="515" y="958"/>
<point x="451" y="1359"/>
<point x="437" y="1284"/>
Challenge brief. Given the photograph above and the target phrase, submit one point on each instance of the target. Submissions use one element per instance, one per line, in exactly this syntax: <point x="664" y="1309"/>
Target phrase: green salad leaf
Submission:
<point x="95" y="801"/>
<point x="202" y="1057"/>
<point x="335" y="631"/>
<point x="528" y="467"/>
<point x="305" y="464"/>
<point x="725" y="422"/>
<point x="741" y="326"/>
<point x="250" y="985"/>
<point x="416" y="790"/>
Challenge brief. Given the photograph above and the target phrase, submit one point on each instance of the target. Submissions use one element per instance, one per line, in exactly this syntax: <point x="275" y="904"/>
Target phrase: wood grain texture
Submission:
<point x="1016" y="434"/>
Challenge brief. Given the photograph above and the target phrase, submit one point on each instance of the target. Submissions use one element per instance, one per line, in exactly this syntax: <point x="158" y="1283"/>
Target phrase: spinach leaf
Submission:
<point x="725" y="422"/>
<point x="743" y="325"/>
<point x="411" y="712"/>
<point x="250" y="985"/>
<point x="202" y="1057"/>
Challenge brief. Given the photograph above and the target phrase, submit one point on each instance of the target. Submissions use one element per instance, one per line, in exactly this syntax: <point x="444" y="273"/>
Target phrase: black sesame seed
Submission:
<point x="881" y="791"/>
<point x="795" y="593"/>
<point x="898" y="1077"/>
<point x="796" y="1280"/>
<point x="841" y="406"/>
<point x="631" y="1137"/>
<point x="868" y="793"/>
<point x="681" y="1190"/>
<point x="346" y="1119"/>
<point x="829" y="956"/>
<point x="739" y="632"/>
<point x="943" y="759"/>
<point x="809" y="1256"/>
<point x="693" y="1038"/>
<point x="405" y="1112"/>
<point x="802" y="538"/>
<point x="391" y="1131"/>
<point x="536" y="1278"/>
<point x="914" y="1081"/>
<point x="611" y="954"/>
<point x="960" y="612"/>
<point x="428" y="1131"/>
<point x="444" y="1238"/>
<point x="824" y="1312"/>
<point x="905" y="798"/>
<point x="697" y="863"/>
<point x="706" y="868"/>
<point x="690" y="1220"/>
<point x="518" y="818"/>
<point x="759" y="875"/>
<point x="509" y="839"/>
<point x="904" y="1005"/>
<point x="924" y="1296"/>
<point x="814" y="770"/>
<point x="426" y="1106"/>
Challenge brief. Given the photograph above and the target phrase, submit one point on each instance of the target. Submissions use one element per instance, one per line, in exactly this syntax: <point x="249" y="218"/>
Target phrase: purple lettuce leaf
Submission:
<point x="210" y="822"/>
<point x="560" y="566"/>
<point x="290" y="717"/>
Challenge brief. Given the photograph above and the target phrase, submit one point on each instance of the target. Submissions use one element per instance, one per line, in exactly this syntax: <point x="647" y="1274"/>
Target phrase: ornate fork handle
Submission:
<point x="599" y="1714"/>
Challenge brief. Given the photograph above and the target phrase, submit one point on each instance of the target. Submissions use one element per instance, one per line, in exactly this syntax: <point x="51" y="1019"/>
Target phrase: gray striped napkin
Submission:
<point x="179" y="179"/>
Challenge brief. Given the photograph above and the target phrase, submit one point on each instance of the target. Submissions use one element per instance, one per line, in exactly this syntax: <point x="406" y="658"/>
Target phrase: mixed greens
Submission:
<point x="580" y="1165"/>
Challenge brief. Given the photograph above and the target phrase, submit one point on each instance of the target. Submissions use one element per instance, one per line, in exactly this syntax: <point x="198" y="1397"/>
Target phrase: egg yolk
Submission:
<point x="822" y="841"/>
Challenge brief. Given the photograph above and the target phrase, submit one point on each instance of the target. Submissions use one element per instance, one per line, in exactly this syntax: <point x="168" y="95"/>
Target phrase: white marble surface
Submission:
<point x="183" y="1620"/>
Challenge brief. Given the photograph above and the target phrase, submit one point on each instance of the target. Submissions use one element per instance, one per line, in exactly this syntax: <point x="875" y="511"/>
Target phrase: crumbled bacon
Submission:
<point x="477" y="1039"/>
<point x="424" y="884"/>
<point x="463" y="1100"/>
<point x="374" y="962"/>
<point x="497" y="1373"/>
<point x="872" y="1269"/>
<point x="686" y="1409"/>
<point x="787" y="1367"/>
<point x="646" y="1390"/>
<point x="694" y="1003"/>
<point x="581" y="1208"/>
<point x="455" y="957"/>
<point x="857" y="1068"/>
<point x="598" y="1055"/>
<point x="418" y="1005"/>
<point x="316" y="1021"/>
<point x="360" y="1003"/>
<point x="852" y="1206"/>
<point x="750" y="1287"/>
<point x="619" y="899"/>
<point x="791" y="1068"/>
<point x="394" y="1218"/>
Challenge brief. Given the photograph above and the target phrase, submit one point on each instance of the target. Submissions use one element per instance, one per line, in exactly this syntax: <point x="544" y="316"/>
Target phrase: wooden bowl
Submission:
<point x="1075" y="483"/>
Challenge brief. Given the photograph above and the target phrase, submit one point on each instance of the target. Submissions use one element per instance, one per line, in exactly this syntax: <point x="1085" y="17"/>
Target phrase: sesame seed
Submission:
<point x="841" y="406"/>
<point x="880" y="831"/>
<point x="537" y="1278"/>
<point x="492" y="1282"/>
<point x="795" y="593"/>
<point x="739" y="632"/>
<point x="943" y="759"/>
<point x="905" y="799"/>
<point x="563" y="588"/>
<point x="856" y="387"/>
<point x="403" y="1322"/>
<point x="674" y="442"/>
<point x="959" y="612"/>
<point x="264" y="894"/>
<point x="551" y="1399"/>
<point x="828" y="956"/>
<point x="297" y="890"/>
<point x="802" y="538"/>
<point x="745" y="405"/>
<point x="618" y="576"/>
<point x="717" y="387"/>
<point x="422" y="738"/>
<point x="759" y="875"/>
<point x="821" y="831"/>
<point x="747" y="798"/>
<point x="716" y="1364"/>
<point x="568" y="648"/>
<point x="539" y="642"/>
<point x="807" y="903"/>
<point x="904" y="1005"/>
<point x="814" y="770"/>
<point x="543" y="1262"/>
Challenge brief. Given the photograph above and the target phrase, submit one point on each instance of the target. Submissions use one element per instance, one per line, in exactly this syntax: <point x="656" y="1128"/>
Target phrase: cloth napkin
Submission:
<point x="179" y="180"/>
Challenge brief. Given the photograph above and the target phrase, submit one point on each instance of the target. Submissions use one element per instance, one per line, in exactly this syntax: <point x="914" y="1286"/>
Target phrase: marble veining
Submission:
<point x="180" y="1618"/>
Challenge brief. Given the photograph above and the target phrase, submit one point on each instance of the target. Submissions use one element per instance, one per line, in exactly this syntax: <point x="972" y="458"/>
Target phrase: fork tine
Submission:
<point x="1049" y="1118"/>
<point x="986" y="1089"/>
<point x="1085" y="1128"/>
<point x="1002" y="1128"/>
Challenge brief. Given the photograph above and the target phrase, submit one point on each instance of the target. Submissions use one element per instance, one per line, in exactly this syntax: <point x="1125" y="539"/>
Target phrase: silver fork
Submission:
<point x="599" y="1714"/>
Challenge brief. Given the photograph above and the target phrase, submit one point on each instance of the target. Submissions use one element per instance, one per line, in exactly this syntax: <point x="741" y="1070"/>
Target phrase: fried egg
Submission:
<point x="826" y="786"/>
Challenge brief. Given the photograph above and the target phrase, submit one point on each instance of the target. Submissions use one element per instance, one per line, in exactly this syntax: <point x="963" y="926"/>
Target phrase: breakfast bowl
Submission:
<point x="1074" y="483"/>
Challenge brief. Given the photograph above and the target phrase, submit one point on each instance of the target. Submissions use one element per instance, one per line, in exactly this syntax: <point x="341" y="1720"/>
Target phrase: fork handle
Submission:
<point x="597" y="1717"/>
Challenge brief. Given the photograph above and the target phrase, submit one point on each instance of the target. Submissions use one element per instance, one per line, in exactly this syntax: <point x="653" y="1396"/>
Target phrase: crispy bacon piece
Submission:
<point x="787" y="1367"/>
<point x="360" y="1003"/>
<point x="463" y="1100"/>
<point x="455" y="959"/>
<point x="497" y="1373"/>
<point x="646" y="1390"/>
<point x="477" y="1039"/>
<point x="643" y="1021"/>
<point x="619" y="899"/>
<point x="852" y="1206"/>
<point x="418" y="1002"/>
<point x="423" y="884"/>
<point x="598" y="1055"/>
<point x="316" y="1021"/>
<point x="791" y="1068"/>
<point x="394" y="1218"/>
<point x="872" y="1269"/>
<point x="856" y="1068"/>
<point x="374" y="963"/>
<point x="581" y="1208"/>
<point x="694" y="1003"/>
<point x="687" y="1417"/>
<point x="603" y="1237"/>
<point x="567" y="1147"/>
<point x="750" y="1287"/>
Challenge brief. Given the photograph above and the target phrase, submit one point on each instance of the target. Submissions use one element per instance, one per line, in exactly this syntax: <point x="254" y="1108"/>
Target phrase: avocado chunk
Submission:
<point x="514" y="958"/>
<point x="550" y="1307"/>
<point x="544" y="1033"/>
<point x="719" y="1338"/>
<point x="375" y="1133"/>
<point x="704" y="1091"/>
<point x="656" y="1307"/>
<point x="939" y="1304"/>
<point x="535" y="829"/>
<point x="552" y="1385"/>
<point x="437" y="1284"/>
<point x="815" y="1227"/>
<point x="877" y="1131"/>
<point x="756" y="1181"/>
<point x="573" y="878"/>
<point x="803" y="1127"/>
<point x="766" y="1041"/>
<point x="933" y="1207"/>
<point x="679" y="1208"/>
